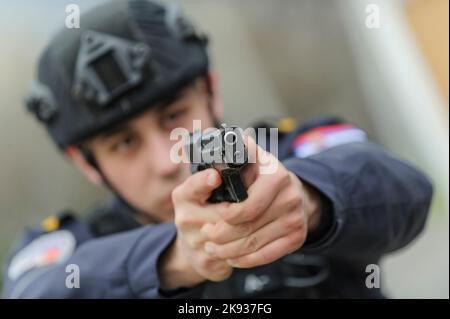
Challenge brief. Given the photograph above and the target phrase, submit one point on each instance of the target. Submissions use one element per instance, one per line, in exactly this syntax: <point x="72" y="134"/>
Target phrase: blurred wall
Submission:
<point x="35" y="180"/>
<point x="429" y="23"/>
<point x="410" y="117"/>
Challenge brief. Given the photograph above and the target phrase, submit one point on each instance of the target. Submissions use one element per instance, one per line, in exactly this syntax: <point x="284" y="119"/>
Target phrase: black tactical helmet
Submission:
<point x="125" y="57"/>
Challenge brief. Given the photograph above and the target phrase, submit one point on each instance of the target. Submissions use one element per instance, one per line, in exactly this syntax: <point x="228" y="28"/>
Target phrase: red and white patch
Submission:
<point x="319" y="139"/>
<point x="45" y="250"/>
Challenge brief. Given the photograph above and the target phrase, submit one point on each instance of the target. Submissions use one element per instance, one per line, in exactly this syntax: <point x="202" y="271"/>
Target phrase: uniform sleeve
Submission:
<point x="116" y="266"/>
<point x="374" y="202"/>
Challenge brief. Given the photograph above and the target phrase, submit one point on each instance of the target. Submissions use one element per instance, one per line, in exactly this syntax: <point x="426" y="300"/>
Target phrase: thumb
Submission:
<point x="199" y="186"/>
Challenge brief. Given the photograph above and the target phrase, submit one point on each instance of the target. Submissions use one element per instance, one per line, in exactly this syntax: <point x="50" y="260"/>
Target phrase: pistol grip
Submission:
<point x="232" y="188"/>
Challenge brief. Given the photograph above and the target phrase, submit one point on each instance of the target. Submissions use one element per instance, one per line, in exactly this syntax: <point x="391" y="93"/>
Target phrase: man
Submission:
<point x="110" y="93"/>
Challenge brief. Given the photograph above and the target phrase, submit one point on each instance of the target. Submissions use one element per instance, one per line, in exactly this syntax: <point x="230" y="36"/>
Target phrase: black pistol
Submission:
<point x="224" y="150"/>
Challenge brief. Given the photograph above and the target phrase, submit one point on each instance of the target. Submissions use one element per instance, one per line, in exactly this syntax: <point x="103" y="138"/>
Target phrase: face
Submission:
<point x="134" y="156"/>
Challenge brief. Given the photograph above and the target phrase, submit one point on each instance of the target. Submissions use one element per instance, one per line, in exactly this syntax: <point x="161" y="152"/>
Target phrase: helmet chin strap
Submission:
<point x="90" y="158"/>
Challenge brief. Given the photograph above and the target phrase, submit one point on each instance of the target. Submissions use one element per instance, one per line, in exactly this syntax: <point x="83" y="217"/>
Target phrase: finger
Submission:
<point x="257" y="155"/>
<point x="195" y="216"/>
<point x="281" y="227"/>
<point x="214" y="270"/>
<point x="198" y="187"/>
<point x="260" y="195"/>
<point x="221" y="232"/>
<point x="270" y="252"/>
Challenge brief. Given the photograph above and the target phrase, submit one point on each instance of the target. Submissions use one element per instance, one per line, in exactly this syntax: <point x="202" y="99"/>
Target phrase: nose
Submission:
<point x="158" y="156"/>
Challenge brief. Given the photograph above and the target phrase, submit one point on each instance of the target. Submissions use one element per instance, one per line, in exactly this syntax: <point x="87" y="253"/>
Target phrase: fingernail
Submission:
<point x="212" y="179"/>
<point x="209" y="248"/>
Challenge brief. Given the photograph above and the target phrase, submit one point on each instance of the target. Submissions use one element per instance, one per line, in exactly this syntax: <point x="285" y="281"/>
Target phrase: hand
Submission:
<point x="186" y="263"/>
<point x="271" y="223"/>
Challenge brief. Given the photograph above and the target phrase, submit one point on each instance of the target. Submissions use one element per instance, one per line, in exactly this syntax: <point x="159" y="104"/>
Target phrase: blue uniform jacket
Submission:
<point x="373" y="204"/>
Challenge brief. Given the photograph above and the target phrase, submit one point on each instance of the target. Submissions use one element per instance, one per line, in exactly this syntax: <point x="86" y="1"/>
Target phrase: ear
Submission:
<point x="217" y="106"/>
<point x="83" y="166"/>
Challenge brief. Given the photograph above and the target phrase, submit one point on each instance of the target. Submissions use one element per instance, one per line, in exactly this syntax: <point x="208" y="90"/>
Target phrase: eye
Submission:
<point x="174" y="118"/>
<point x="124" y="144"/>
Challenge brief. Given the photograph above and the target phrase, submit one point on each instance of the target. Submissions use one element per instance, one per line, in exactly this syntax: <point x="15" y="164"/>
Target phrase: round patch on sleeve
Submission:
<point x="52" y="248"/>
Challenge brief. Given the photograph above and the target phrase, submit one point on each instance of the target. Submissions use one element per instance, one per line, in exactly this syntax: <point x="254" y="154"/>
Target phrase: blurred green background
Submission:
<point x="298" y="58"/>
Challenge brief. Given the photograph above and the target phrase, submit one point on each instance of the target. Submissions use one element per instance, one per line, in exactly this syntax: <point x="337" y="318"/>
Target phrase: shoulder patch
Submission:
<point x="45" y="250"/>
<point x="321" y="138"/>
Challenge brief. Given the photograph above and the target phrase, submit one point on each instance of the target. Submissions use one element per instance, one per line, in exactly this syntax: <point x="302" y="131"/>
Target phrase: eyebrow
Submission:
<point x="120" y="128"/>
